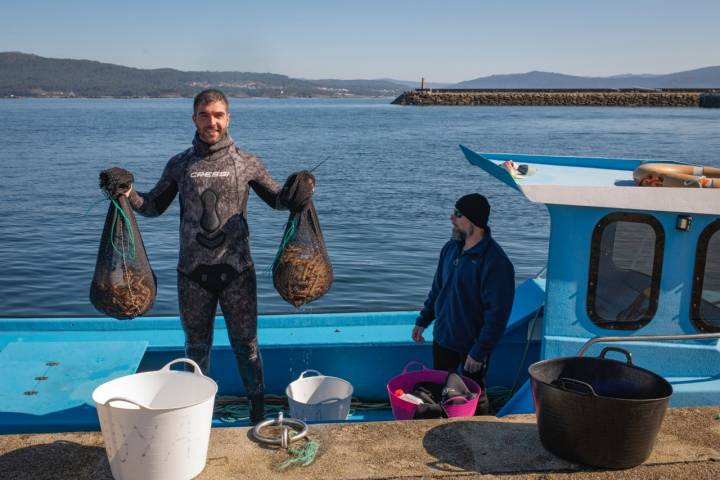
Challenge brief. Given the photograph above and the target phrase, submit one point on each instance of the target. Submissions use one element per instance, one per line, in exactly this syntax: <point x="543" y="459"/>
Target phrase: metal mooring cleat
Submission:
<point x="287" y="425"/>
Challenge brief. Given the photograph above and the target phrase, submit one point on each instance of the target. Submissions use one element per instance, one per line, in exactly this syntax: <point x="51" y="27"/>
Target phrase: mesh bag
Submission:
<point x="123" y="285"/>
<point x="301" y="271"/>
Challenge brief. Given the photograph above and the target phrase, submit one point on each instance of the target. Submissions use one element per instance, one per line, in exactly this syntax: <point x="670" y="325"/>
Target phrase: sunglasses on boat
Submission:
<point x="457" y="213"/>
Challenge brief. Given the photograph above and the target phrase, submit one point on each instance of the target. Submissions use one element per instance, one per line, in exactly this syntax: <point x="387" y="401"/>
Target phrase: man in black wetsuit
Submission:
<point x="213" y="178"/>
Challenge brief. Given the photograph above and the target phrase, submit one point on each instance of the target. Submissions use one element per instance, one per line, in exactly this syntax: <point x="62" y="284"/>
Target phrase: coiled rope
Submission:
<point x="235" y="409"/>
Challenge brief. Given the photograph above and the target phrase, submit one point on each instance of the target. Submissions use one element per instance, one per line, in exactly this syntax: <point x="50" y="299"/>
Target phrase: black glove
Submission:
<point x="297" y="191"/>
<point x="115" y="181"/>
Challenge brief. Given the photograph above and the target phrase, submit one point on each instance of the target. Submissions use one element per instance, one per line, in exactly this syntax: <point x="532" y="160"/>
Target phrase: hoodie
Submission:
<point x="471" y="297"/>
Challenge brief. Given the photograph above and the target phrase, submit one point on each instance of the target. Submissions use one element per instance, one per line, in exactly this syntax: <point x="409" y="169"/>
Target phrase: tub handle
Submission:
<point x="627" y="354"/>
<point x="302" y="375"/>
<point x="447" y="403"/>
<point x="414" y="362"/>
<point x="576" y="386"/>
<point x="329" y="400"/>
<point x="184" y="360"/>
<point x="125" y="399"/>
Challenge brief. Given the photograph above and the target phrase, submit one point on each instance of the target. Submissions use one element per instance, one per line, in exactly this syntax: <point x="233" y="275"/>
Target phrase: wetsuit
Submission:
<point x="215" y="264"/>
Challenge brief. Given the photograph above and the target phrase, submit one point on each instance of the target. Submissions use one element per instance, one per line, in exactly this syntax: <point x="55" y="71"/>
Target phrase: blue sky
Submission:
<point x="445" y="41"/>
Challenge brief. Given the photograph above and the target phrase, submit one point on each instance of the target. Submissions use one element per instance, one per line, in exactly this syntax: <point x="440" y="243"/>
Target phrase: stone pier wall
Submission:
<point x="553" y="98"/>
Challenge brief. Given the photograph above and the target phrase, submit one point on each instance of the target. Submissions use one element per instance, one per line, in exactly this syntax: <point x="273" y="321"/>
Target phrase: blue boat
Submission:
<point x="631" y="266"/>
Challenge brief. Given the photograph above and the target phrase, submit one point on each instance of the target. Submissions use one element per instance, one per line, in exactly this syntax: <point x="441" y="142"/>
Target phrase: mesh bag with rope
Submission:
<point x="123" y="285"/>
<point x="302" y="271"/>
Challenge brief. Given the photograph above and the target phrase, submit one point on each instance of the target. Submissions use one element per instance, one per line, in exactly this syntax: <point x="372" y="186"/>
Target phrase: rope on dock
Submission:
<point x="302" y="456"/>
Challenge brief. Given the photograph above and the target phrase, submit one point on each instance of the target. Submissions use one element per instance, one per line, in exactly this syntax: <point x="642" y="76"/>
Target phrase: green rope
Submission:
<point x="232" y="409"/>
<point x="304" y="455"/>
<point x="235" y="412"/>
<point x="289" y="233"/>
<point x="131" y="235"/>
<point x="358" y="405"/>
<point x="498" y="396"/>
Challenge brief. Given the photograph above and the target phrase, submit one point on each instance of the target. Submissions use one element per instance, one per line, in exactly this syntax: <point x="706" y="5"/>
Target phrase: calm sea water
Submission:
<point x="383" y="197"/>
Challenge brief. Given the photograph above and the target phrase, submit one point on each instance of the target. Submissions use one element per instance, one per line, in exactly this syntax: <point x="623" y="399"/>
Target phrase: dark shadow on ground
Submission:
<point x="490" y="448"/>
<point x="55" y="460"/>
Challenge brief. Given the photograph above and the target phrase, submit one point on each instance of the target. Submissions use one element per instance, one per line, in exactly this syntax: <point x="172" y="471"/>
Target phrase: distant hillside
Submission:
<point x="708" y="77"/>
<point x="24" y="75"/>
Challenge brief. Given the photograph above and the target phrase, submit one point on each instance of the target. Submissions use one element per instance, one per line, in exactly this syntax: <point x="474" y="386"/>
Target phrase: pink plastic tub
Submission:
<point x="404" y="410"/>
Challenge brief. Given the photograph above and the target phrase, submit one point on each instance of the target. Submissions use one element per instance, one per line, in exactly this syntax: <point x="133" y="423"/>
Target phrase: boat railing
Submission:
<point x="645" y="338"/>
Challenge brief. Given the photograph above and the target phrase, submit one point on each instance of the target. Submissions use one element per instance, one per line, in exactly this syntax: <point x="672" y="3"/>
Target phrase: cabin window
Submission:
<point x="705" y="305"/>
<point x="625" y="268"/>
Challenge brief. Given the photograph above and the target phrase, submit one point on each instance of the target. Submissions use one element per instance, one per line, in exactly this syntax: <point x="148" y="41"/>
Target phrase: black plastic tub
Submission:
<point x="599" y="411"/>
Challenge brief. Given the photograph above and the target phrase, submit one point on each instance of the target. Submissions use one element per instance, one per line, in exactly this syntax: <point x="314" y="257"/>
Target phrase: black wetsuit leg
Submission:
<point x="238" y="302"/>
<point x="197" y="313"/>
<point x="446" y="359"/>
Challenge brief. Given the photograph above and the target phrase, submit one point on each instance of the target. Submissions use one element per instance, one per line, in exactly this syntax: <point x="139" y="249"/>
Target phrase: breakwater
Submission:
<point x="709" y="98"/>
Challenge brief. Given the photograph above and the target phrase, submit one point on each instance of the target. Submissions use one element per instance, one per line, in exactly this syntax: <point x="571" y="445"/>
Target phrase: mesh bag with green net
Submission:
<point x="123" y="285"/>
<point x="302" y="271"/>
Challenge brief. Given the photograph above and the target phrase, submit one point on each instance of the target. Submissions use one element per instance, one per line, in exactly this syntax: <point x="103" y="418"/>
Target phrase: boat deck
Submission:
<point x="364" y="348"/>
<point x="592" y="182"/>
<point x="688" y="446"/>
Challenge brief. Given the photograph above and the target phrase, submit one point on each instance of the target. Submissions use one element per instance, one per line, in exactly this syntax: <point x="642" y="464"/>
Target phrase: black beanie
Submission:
<point x="475" y="207"/>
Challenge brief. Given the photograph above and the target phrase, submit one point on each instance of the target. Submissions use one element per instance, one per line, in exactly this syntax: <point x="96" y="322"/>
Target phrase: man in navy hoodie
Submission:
<point x="471" y="296"/>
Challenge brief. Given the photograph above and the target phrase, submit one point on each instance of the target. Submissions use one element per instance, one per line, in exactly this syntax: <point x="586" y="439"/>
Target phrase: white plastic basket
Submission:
<point x="319" y="397"/>
<point x="156" y="425"/>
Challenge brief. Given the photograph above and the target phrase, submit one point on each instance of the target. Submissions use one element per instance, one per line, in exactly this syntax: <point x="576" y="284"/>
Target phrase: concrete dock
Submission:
<point x="688" y="446"/>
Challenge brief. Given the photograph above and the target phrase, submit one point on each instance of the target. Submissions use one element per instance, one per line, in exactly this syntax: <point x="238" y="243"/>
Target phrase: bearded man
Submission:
<point x="213" y="179"/>
<point x="471" y="296"/>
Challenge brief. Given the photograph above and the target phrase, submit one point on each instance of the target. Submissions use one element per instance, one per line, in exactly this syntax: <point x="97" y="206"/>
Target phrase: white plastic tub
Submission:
<point x="156" y="425"/>
<point x="319" y="398"/>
